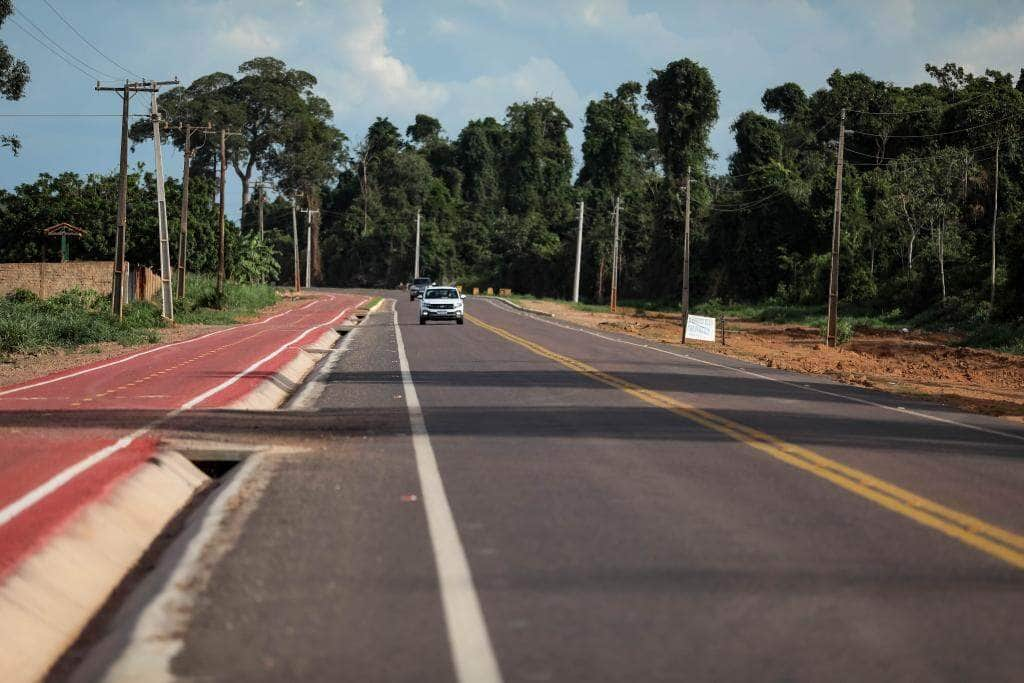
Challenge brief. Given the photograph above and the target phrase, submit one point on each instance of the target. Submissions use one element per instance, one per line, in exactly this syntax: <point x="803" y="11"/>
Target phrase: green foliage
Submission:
<point x="14" y="76"/>
<point x="70" y="319"/>
<point x="844" y="330"/>
<point x="202" y="304"/>
<point x="253" y="261"/>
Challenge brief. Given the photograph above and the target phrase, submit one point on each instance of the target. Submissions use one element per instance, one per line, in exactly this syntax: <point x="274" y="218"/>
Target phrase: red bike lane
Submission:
<point x="68" y="438"/>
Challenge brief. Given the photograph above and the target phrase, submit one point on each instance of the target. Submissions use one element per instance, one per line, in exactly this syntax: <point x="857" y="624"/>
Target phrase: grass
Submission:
<point x="78" y="318"/>
<point x="200" y="305"/>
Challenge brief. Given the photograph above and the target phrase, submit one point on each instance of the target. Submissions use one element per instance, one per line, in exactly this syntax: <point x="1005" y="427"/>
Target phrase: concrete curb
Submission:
<point x="54" y="593"/>
<point x="513" y="304"/>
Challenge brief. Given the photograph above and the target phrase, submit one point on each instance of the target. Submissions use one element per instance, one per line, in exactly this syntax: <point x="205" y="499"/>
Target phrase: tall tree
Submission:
<point x="14" y="76"/>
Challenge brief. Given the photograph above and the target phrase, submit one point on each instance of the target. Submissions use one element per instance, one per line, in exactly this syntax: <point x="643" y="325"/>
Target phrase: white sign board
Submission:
<point x="701" y="328"/>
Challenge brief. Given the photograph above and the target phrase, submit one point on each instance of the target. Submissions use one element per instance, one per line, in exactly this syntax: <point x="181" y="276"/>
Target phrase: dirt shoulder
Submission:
<point x="921" y="365"/>
<point x="23" y="367"/>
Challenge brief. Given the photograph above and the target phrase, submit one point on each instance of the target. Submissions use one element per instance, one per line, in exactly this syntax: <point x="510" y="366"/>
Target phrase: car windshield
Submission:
<point x="421" y="281"/>
<point x="442" y="294"/>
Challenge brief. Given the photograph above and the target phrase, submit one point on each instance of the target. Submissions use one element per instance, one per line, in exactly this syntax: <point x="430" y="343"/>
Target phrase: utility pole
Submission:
<point x="259" y="197"/>
<point x="615" y="259"/>
<point x="416" y="261"/>
<point x="183" y="233"/>
<point x="833" y="283"/>
<point x="224" y="133"/>
<point x="579" y="255"/>
<point x="995" y="213"/>
<point x="166" y="295"/>
<point x="686" y="258"/>
<point x="295" y="243"/>
<point x="126" y="92"/>
<point x="309" y="243"/>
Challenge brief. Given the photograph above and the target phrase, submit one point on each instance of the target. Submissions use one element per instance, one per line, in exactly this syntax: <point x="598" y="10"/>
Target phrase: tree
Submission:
<point x="14" y="76"/>
<point x="684" y="101"/>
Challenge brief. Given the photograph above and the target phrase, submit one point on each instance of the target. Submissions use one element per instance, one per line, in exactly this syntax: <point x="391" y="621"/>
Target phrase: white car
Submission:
<point x="441" y="303"/>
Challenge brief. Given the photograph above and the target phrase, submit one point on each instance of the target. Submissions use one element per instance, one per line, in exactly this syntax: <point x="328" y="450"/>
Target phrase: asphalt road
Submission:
<point x="557" y="505"/>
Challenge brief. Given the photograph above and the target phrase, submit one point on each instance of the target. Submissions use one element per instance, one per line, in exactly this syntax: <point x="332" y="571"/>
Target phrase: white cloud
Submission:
<point x="250" y="35"/>
<point x="489" y="95"/>
<point x="995" y="47"/>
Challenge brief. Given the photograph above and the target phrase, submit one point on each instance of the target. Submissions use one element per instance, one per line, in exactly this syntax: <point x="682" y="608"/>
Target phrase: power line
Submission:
<point x="917" y="111"/>
<point x="37" y="114"/>
<point x="798" y="148"/>
<point x="935" y="135"/>
<point x="89" y="43"/>
<point x="39" y="40"/>
<point x="45" y="35"/>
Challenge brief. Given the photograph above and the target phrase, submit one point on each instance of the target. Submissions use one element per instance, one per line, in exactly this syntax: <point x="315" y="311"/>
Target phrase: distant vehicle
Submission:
<point x="417" y="287"/>
<point x="441" y="303"/>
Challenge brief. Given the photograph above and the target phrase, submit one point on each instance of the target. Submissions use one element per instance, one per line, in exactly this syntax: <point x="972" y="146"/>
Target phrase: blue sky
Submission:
<point x="461" y="60"/>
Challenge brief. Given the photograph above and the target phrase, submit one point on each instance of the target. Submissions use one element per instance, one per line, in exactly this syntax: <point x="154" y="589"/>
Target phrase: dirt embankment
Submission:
<point x="917" y="364"/>
<point x="23" y="367"/>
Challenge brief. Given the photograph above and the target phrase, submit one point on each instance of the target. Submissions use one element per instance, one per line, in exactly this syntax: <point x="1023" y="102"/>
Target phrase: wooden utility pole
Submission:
<point x="259" y="199"/>
<point x="183" y="232"/>
<point x="126" y="92"/>
<point x="220" y="213"/>
<point x="579" y="255"/>
<point x="166" y="293"/>
<point x="686" y="259"/>
<point x="309" y="244"/>
<point x="833" y="283"/>
<point x="224" y="133"/>
<point x="615" y="259"/>
<point x="295" y="242"/>
<point x="995" y="213"/>
<point x="416" y="258"/>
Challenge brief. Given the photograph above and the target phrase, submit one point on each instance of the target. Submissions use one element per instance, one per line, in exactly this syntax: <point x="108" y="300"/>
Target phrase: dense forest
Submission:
<point x="922" y="225"/>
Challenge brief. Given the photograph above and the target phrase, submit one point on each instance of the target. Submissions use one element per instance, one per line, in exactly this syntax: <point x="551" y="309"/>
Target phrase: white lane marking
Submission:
<point x="314" y="387"/>
<point x="157" y="635"/>
<point x="141" y="353"/>
<point x="15" y="508"/>
<point x="468" y="639"/>
<point x="855" y="399"/>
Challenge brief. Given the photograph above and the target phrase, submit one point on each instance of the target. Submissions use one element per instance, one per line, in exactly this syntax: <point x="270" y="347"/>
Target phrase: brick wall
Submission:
<point x="47" y="279"/>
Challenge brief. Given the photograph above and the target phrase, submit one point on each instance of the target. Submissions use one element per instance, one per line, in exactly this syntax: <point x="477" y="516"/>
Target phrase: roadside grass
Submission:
<point x="200" y="304"/>
<point x="77" y="318"/>
<point x="71" y="319"/>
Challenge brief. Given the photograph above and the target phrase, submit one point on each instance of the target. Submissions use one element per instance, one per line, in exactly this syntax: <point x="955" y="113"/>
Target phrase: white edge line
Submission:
<point x="26" y="501"/>
<point x="855" y="399"/>
<point x="94" y="368"/>
<point x="470" y="644"/>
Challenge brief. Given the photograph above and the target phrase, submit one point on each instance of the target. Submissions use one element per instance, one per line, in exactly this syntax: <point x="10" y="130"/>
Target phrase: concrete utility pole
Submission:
<point x="686" y="258"/>
<point x="166" y="295"/>
<point x="579" y="255"/>
<point x="183" y="233"/>
<point x="309" y="243"/>
<point x="416" y="259"/>
<point x="126" y="92"/>
<point x="295" y="243"/>
<point x="615" y="259"/>
<point x="833" y="283"/>
<point x="995" y="213"/>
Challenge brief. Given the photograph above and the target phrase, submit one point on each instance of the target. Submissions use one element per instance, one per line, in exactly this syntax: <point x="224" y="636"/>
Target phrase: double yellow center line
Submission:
<point x="988" y="538"/>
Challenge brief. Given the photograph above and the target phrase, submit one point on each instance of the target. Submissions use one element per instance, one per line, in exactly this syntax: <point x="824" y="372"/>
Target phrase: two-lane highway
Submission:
<point x="518" y="500"/>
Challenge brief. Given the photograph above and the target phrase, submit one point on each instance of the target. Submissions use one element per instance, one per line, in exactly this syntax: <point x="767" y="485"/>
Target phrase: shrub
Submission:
<point x="844" y="330"/>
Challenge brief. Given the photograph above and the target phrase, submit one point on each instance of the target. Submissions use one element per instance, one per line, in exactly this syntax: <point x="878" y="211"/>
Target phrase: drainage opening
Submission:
<point x="214" y="459"/>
